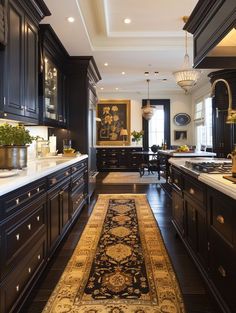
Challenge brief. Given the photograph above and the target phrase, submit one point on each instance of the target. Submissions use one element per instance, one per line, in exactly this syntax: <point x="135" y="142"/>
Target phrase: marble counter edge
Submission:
<point x="112" y="147"/>
<point x="15" y="182"/>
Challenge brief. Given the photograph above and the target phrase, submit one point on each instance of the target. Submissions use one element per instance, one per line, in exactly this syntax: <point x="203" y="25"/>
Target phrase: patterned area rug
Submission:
<point x="120" y="264"/>
<point x="131" y="178"/>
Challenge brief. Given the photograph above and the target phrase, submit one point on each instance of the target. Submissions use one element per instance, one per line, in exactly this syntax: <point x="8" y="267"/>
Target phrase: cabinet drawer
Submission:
<point x="78" y="167"/>
<point x="14" y="201"/>
<point x="223" y="270"/>
<point x="176" y="178"/>
<point x="194" y="190"/>
<point x="16" y="234"/>
<point x="78" y="180"/>
<point x="222" y="217"/>
<point x="76" y="200"/>
<point x="57" y="177"/>
<point x="17" y="281"/>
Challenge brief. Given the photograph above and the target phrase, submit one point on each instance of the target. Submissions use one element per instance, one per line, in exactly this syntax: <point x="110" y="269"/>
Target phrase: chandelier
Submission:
<point x="148" y="109"/>
<point x="187" y="77"/>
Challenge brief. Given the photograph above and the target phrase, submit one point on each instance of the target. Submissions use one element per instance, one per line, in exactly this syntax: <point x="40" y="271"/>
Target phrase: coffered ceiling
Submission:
<point x="152" y="42"/>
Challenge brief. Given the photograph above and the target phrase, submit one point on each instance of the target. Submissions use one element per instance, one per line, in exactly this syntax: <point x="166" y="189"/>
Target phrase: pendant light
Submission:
<point x="148" y="110"/>
<point x="187" y="77"/>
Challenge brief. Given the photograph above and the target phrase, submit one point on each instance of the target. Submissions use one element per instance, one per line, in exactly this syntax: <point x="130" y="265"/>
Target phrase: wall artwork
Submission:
<point x="180" y="134"/>
<point x="113" y="116"/>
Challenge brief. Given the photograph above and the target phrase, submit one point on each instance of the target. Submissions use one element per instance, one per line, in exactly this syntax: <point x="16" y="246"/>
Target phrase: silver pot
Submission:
<point x="13" y="157"/>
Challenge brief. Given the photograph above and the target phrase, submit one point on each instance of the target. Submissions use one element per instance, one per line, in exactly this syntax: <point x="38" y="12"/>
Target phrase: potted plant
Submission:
<point x="137" y="135"/>
<point x="13" y="146"/>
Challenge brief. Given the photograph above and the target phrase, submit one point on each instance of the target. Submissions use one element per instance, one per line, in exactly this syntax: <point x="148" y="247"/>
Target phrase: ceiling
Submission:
<point x="152" y="42"/>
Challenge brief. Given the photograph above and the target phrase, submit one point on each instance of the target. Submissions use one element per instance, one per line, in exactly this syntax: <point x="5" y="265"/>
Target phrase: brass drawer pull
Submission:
<point x="17" y="237"/>
<point x="220" y="219"/>
<point x="38" y="218"/>
<point x="17" y="201"/>
<point x="176" y="206"/>
<point x="74" y="169"/>
<point x="17" y="288"/>
<point x="67" y="173"/>
<point x="222" y="271"/>
<point x="53" y="181"/>
<point x="29" y="194"/>
<point x="176" y="180"/>
<point x="29" y="270"/>
<point x="29" y="226"/>
<point x="191" y="191"/>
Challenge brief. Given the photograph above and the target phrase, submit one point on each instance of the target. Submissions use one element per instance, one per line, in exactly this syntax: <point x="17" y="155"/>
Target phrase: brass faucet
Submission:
<point x="231" y="117"/>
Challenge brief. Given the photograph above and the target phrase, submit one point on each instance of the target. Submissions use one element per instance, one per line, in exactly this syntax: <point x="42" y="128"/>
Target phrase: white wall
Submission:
<point x="179" y="103"/>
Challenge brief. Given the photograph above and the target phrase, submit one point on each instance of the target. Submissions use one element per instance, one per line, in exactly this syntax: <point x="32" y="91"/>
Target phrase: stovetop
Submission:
<point x="211" y="166"/>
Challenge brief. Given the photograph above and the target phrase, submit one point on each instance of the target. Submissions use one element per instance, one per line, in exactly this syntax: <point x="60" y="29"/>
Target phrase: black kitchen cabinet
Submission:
<point x="52" y="79"/>
<point x="118" y="159"/>
<point x="23" y="231"/>
<point x="19" y="85"/>
<point x="82" y="78"/>
<point x="210" y="22"/>
<point x="223" y="134"/>
<point x="33" y="221"/>
<point x="58" y="213"/>
<point x="205" y="219"/>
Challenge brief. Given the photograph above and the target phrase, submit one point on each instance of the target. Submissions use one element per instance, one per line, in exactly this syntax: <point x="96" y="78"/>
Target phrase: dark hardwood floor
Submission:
<point x="196" y="297"/>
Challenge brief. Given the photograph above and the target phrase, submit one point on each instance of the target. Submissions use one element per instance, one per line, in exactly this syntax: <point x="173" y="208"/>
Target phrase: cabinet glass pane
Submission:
<point x="51" y="89"/>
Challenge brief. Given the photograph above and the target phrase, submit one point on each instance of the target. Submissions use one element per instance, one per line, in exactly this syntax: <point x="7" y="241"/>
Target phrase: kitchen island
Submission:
<point x="204" y="216"/>
<point x="38" y="206"/>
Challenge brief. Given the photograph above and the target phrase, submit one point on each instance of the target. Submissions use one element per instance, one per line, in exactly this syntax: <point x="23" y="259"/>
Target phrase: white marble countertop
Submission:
<point x="187" y="154"/>
<point x="215" y="181"/>
<point x="35" y="170"/>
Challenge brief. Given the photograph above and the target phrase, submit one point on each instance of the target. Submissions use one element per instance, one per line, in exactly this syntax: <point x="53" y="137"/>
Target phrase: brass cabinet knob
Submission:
<point x="191" y="191"/>
<point x="38" y="189"/>
<point x="29" y="194"/>
<point x="29" y="226"/>
<point x="17" y="288"/>
<point x="38" y="218"/>
<point x="176" y="180"/>
<point x="222" y="271"/>
<point x="220" y="219"/>
<point x="39" y="256"/>
<point x="17" y="237"/>
<point x="53" y="180"/>
<point x="17" y="201"/>
<point x="29" y="270"/>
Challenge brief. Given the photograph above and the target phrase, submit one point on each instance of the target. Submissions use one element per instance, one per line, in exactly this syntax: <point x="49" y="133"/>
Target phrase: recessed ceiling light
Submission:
<point x="127" y="20"/>
<point x="70" y="19"/>
<point x="117" y="88"/>
<point x="123" y="73"/>
<point x="101" y="88"/>
<point x="105" y="64"/>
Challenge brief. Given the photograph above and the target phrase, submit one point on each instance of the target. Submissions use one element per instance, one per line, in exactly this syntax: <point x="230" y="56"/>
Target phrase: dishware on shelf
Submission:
<point x="8" y="173"/>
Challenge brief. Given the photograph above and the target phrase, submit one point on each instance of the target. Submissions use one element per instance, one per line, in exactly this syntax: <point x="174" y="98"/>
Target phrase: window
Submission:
<point x="203" y="122"/>
<point x="156" y="127"/>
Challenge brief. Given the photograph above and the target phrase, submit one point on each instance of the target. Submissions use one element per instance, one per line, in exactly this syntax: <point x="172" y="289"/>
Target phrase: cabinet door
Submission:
<point x="54" y="218"/>
<point x="31" y="74"/>
<point x="178" y="211"/>
<point x="196" y="229"/>
<point x="14" y="61"/>
<point x="64" y="205"/>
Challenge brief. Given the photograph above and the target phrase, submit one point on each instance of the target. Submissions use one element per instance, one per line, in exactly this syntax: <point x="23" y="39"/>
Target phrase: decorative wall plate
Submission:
<point x="181" y="119"/>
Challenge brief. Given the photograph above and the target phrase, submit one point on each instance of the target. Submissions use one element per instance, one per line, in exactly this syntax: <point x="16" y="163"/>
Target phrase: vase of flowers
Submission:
<point x="137" y="136"/>
<point x="13" y="146"/>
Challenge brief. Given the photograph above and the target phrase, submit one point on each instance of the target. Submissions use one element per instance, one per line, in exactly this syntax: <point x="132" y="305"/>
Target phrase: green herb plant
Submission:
<point x="14" y="135"/>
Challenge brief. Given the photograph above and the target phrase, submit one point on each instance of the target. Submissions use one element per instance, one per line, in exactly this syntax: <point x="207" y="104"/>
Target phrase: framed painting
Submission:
<point x="113" y="116"/>
<point x="180" y="134"/>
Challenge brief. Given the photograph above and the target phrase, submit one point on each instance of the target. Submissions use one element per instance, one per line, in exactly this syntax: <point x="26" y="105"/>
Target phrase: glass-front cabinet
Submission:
<point x="50" y="89"/>
<point x="52" y="79"/>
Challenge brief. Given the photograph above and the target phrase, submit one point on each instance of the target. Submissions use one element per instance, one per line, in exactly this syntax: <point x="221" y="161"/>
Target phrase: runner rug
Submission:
<point x="120" y="264"/>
